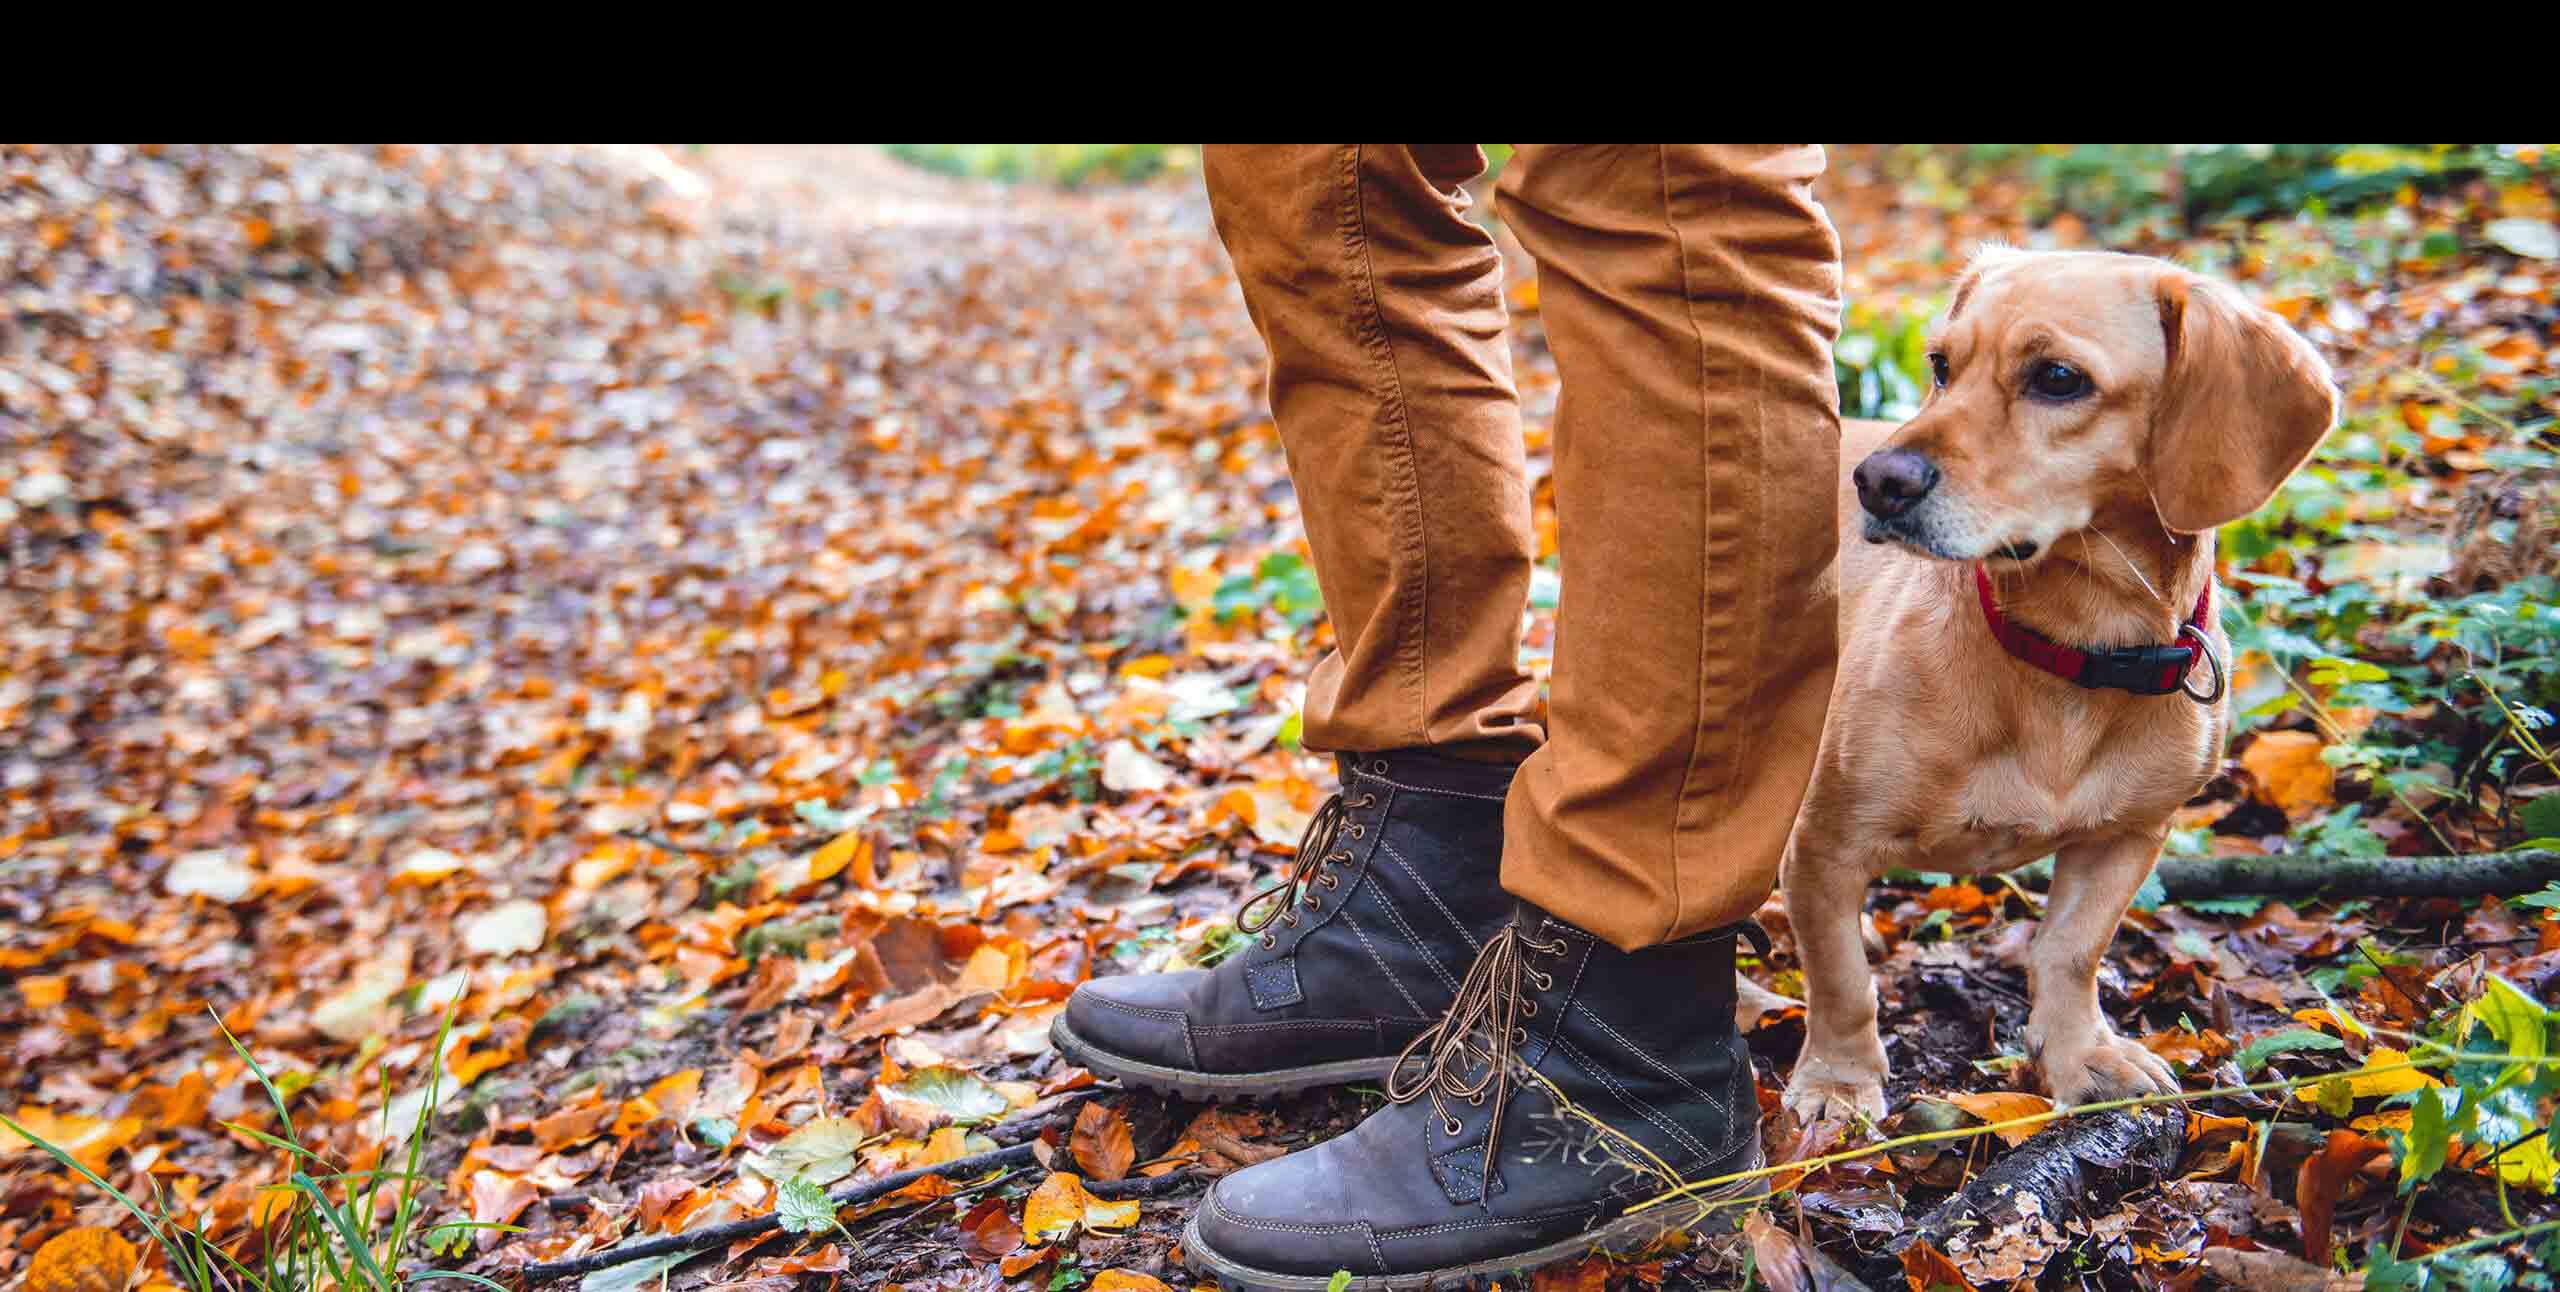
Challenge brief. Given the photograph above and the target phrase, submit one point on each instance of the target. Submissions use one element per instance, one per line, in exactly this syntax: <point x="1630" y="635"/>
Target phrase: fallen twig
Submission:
<point x="710" y="1236"/>
<point x="1024" y="1152"/>
<point x="2321" y="874"/>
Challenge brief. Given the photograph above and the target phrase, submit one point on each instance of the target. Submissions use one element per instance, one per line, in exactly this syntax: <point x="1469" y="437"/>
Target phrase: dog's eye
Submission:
<point x="2050" y="380"/>
<point x="1938" y="367"/>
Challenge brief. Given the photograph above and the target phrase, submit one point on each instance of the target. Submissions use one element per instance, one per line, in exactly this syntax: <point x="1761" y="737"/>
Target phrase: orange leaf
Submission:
<point x="2323" y="1178"/>
<point x="88" y="1259"/>
<point x="1127" y="1281"/>
<point x="2004" y="1105"/>
<point x="45" y="992"/>
<point x="2290" y="773"/>
<point x="89" y="1139"/>
<point x="1928" y="1270"/>
<point x="840" y="852"/>
<point x="1101" y="1142"/>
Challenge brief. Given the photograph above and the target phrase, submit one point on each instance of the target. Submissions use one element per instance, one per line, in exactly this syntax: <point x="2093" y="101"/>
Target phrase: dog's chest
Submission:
<point x="2048" y="777"/>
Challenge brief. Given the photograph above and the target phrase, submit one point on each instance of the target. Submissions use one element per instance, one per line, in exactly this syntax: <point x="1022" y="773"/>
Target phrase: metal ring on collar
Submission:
<point x="2204" y="648"/>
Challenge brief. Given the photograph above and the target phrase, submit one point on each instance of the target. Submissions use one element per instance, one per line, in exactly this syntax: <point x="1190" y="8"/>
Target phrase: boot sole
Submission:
<point x="1627" y="1235"/>
<point x="1187" y="1084"/>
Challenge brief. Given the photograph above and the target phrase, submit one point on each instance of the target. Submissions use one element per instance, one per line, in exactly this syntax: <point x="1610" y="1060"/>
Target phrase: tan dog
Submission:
<point x="2096" y="417"/>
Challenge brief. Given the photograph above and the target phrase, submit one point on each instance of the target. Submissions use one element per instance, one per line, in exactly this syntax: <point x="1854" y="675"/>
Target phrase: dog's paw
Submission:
<point x="2102" y="1067"/>
<point x="1833" y="1090"/>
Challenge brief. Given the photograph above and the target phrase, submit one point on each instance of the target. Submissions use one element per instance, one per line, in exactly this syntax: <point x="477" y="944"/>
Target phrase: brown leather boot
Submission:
<point x="1356" y="952"/>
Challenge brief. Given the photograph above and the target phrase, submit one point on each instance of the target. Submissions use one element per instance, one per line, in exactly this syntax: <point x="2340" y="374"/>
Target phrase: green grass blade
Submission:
<point x="274" y="1096"/>
<point x="356" y="1245"/>
<point x="463" y="1275"/>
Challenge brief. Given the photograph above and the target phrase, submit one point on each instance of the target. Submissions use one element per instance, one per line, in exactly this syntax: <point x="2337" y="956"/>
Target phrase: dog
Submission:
<point x="2030" y="656"/>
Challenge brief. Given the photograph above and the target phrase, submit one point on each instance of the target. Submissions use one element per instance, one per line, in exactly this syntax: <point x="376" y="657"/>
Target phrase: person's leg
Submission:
<point x="1691" y="295"/>
<point x="1391" y="383"/>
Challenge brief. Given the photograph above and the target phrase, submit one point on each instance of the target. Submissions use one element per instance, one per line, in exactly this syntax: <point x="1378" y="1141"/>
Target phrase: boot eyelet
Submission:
<point x="1519" y="1037"/>
<point x="1365" y="800"/>
<point x="1291" y="919"/>
<point x="1269" y="941"/>
<point x="1313" y="902"/>
<point x="1476" y="1099"/>
<point x="1546" y="982"/>
<point x="1451" y="1127"/>
<point x="1528" y="1009"/>
<point x="1378" y="767"/>
<point x="1359" y="831"/>
<point x="1329" y="880"/>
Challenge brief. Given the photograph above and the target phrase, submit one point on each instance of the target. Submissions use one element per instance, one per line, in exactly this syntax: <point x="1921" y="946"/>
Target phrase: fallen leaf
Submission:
<point x="987" y="1232"/>
<point x="1126" y="769"/>
<point x="2289" y="772"/>
<point x="1127" y="1281"/>
<point x="1060" y="1206"/>
<point x="509" y="928"/>
<point x="2004" y="1105"/>
<point x="1101" y="1142"/>
<point x="87" y="1259"/>
<point x="2322" y="1179"/>
<point x="929" y="1098"/>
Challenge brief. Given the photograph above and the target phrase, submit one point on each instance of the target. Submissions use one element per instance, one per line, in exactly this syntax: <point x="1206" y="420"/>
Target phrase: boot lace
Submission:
<point x="1468" y="1053"/>
<point x="1313" y="867"/>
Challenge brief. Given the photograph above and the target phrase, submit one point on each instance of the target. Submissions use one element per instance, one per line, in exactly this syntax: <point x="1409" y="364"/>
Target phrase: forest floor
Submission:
<point x="668" y="666"/>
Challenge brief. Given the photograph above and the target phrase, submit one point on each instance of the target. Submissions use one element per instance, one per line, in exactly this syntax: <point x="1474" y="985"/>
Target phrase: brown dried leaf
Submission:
<point x="1101" y="1142"/>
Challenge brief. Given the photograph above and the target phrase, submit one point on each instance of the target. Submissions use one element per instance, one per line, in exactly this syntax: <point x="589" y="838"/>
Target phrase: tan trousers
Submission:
<point x="1691" y="294"/>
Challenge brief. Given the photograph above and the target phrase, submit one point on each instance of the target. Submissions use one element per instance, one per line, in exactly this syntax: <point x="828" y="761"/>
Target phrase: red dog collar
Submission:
<point x="2142" y="670"/>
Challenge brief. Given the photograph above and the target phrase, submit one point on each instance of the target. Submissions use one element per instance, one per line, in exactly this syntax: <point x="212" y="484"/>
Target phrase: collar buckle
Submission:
<point x="2142" y="670"/>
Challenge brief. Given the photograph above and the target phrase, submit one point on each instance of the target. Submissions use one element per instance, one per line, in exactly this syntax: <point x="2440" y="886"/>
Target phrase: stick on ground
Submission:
<point x="2316" y="874"/>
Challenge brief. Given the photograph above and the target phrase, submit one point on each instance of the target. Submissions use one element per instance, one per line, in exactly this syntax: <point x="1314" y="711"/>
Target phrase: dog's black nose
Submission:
<point x="1891" y="481"/>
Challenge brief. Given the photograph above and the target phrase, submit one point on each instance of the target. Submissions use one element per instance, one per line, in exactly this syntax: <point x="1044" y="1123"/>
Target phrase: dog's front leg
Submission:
<point x="1842" y="1069"/>
<point x="2082" y="1057"/>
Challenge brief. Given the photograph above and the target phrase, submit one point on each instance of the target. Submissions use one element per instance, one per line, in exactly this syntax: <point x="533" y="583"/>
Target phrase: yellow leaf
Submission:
<point x="1128" y="1281"/>
<point x="2290" y="773"/>
<point x="1055" y="1208"/>
<point x="2005" y="1105"/>
<point x="1060" y="1206"/>
<point x="2365" y="1083"/>
<point x="840" y="852"/>
<point x="1111" y="1215"/>
<point x="88" y="1259"/>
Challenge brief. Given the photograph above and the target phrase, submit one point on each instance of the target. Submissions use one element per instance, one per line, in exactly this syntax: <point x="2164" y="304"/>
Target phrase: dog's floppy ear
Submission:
<point x="2245" y="402"/>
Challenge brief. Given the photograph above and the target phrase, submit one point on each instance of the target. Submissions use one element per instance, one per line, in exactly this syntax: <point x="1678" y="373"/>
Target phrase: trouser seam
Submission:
<point x="1412" y="607"/>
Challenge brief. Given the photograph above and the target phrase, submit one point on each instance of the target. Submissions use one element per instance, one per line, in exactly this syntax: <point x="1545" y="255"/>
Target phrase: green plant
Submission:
<point x="1066" y="165"/>
<point x="1283" y="582"/>
<point x="1882" y="363"/>
<point x="345" y="1230"/>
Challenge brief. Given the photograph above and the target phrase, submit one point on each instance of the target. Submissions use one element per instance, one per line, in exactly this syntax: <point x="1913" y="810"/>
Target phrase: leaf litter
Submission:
<point x="748" y="630"/>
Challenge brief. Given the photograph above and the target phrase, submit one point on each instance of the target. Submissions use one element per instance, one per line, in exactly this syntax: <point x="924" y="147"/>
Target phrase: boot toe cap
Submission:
<point x="1283" y="1217"/>
<point x="1141" y="1017"/>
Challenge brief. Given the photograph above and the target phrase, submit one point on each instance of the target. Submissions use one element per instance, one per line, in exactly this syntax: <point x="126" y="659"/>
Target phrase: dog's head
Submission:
<point x="2075" y="386"/>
